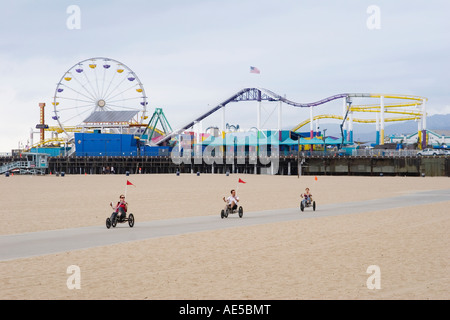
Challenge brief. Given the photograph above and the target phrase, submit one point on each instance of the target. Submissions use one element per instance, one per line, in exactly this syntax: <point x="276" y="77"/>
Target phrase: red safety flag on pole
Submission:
<point x="241" y="181"/>
<point x="129" y="183"/>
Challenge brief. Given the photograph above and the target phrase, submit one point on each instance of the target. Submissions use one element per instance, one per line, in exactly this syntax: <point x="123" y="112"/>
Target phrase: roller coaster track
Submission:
<point x="332" y="116"/>
<point x="260" y="94"/>
<point x="47" y="142"/>
<point x="78" y="129"/>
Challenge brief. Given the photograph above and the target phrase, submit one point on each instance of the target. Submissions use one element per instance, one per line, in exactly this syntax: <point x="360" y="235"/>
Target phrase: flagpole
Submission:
<point x="126" y="187"/>
<point x="239" y="181"/>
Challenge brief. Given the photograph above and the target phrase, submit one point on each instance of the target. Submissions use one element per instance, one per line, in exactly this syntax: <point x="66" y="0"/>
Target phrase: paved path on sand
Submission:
<point x="31" y="244"/>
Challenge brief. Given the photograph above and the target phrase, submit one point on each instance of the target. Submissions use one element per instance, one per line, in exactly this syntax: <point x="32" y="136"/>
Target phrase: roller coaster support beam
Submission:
<point x="348" y="104"/>
<point x="419" y="131"/>
<point x="344" y="111"/>
<point x="280" y="112"/>
<point x="350" y="129"/>
<point x="258" y="111"/>
<point x="424" y="125"/>
<point x="223" y="122"/>
<point x="381" y="120"/>
<point x="377" y="129"/>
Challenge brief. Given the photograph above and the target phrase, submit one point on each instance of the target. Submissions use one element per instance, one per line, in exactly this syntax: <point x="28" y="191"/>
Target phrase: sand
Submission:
<point x="319" y="258"/>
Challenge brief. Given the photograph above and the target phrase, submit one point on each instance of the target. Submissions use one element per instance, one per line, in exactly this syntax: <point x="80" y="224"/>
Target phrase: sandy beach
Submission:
<point x="318" y="258"/>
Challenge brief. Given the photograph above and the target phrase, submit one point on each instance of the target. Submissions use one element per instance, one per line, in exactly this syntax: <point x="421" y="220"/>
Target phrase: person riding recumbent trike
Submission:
<point x="307" y="201"/>
<point x="231" y="206"/>
<point x="120" y="214"/>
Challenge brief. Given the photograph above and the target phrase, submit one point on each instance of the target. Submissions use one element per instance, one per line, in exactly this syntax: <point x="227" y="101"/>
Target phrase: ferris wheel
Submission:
<point x="99" y="92"/>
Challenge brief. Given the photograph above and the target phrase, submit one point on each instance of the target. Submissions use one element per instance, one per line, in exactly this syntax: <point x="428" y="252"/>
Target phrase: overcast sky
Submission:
<point x="191" y="55"/>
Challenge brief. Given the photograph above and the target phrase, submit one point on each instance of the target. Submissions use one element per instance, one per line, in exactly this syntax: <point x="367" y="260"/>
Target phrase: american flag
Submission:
<point x="254" y="70"/>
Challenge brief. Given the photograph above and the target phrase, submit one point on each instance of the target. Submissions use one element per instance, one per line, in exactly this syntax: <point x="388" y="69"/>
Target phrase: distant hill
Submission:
<point x="443" y="132"/>
<point x="435" y="122"/>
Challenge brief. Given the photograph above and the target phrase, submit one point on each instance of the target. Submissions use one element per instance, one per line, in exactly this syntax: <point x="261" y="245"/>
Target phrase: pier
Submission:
<point x="294" y="164"/>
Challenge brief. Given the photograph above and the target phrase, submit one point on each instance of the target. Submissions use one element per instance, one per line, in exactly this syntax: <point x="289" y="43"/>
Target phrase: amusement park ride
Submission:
<point x="98" y="95"/>
<point x="103" y="95"/>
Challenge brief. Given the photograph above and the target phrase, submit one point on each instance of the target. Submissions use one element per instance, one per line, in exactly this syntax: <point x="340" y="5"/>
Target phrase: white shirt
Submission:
<point x="232" y="199"/>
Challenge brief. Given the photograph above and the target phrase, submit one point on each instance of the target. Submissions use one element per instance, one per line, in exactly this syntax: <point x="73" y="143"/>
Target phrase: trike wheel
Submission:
<point x="114" y="222"/>
<point x="222" y="214"/>
<point x="226" y="213"/>
<point x="108" y="223"/>
<point x="302" y="206"/>
<point x="241" y="212"/>
<point x="131" y="220"/>
<point x="314" y="206"/>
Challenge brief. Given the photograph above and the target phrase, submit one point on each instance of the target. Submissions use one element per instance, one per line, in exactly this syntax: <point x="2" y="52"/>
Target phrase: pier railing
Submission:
<point x="354" y="153"/>
<point x="5" y="154"/>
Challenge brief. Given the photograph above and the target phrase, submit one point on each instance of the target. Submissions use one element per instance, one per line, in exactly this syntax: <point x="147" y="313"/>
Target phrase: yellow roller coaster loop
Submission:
<point x="410" y="113"/>
<point x="398" y="96"/>
<point x="78" y="129"/>
<point x="398" y="105"/>
<point x="54" y="142"/>
<point x="332" y="116"/>
<point x="68" y="129"/>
